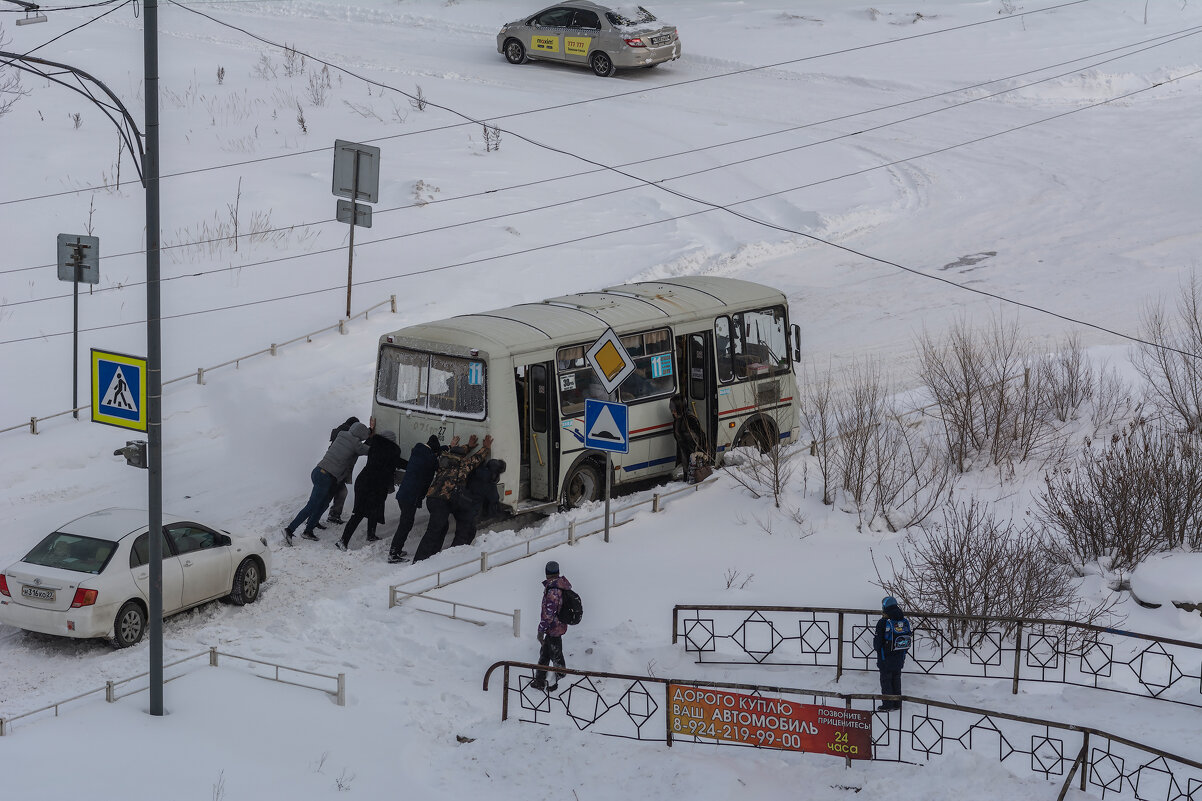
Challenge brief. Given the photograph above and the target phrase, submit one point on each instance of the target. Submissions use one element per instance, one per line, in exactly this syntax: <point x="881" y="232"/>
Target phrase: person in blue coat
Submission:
<point x="419" y="472"/>
<point x="891" y="642"/>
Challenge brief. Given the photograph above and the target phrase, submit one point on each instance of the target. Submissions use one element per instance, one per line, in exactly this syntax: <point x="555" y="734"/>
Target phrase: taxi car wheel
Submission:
<point x="515" y="53"/>
<point x="603" y="65"/>
<point x="247" y="581"/>
<point x="130" y="625"/>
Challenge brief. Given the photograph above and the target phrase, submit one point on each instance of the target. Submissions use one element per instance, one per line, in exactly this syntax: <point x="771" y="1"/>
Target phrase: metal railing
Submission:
<point x="111" y="694"/>
<point x="569" y="534"/>
<point x="1013" y="649"/>
<point x="200" y="373"/>
<point x="636" y="708"/>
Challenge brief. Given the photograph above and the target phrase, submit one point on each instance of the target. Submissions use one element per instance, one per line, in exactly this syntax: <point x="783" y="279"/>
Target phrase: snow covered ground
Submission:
<point x="844" y="126"/>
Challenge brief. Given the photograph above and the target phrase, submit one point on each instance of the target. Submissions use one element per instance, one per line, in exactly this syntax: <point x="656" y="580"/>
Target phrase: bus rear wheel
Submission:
<point x="759" y="434"/>
<point x="584" y="485"/>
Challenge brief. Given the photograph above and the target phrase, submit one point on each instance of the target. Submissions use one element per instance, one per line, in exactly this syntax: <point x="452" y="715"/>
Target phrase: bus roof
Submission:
<point x="585" y="316"/>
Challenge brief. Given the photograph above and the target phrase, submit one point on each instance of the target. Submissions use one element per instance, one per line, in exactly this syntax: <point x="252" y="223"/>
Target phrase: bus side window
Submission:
<point x="723" y="346"/>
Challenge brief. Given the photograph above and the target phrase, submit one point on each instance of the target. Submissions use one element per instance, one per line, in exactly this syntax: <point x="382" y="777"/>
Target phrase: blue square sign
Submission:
<point x="605" y="426"/>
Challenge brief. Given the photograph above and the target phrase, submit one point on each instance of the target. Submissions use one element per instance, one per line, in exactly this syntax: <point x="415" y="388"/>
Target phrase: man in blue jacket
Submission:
<point x="892" y="642"/>
<point x="419" y="472"/>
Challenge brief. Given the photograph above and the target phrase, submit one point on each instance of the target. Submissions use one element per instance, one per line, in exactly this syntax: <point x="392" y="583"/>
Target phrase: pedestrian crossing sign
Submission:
<point x="118" y="390"/>
<point x="606" y="426"/>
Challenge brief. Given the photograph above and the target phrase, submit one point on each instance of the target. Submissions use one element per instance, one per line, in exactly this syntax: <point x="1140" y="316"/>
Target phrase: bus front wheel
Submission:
<point x="584" y="485"/>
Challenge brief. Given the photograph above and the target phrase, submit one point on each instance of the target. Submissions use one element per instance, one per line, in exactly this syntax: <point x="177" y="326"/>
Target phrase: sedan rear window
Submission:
<point x="625" y="16"/>
<point x="72" y="552"/>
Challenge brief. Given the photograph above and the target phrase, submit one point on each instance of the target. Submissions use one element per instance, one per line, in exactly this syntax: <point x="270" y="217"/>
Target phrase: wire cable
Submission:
<point x="512" y="115"/>
<point x="1170" y="37"/>
<point x="715" y="207"/>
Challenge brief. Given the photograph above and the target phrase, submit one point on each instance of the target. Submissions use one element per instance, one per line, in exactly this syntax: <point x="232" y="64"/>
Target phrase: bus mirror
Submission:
<point x="797" y="343"/>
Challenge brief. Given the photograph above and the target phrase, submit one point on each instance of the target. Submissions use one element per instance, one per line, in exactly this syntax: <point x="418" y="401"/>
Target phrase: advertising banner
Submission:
<point x="770" y="722"/>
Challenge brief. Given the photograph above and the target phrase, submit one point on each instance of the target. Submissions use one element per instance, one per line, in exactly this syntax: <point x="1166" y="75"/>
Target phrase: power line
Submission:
<point x="470" y="120"/>
<point x="1171" y="37"/>
<point x="716" y="207"/>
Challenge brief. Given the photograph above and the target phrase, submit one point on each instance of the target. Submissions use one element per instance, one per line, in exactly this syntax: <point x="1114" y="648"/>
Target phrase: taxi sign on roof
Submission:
<point x="610" y="361"/>
<point x="118" y="390"/>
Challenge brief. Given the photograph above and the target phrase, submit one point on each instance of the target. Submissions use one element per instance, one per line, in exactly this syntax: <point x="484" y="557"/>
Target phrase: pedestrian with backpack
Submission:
<point x="558" y="597"/>
<point x="892" y="643"/>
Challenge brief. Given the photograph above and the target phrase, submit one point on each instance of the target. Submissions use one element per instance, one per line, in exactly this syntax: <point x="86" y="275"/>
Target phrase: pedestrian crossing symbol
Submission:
<point x="605" y="426"/>
<point x="118" y="390"/>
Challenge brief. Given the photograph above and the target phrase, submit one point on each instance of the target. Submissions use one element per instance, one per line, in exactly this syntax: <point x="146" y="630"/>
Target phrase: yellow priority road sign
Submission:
<point x="118" y="390"/>
<point x="609" y="360"/>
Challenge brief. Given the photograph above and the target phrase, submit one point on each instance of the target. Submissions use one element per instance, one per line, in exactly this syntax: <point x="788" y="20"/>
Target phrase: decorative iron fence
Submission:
<point x="1011" y="649"/>
<point x="641" y="708"/>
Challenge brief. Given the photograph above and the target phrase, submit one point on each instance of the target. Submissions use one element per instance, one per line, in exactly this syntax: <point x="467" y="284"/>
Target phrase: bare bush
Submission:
<point x="988" y="399"/>
<point x="294" y="61"/>
<point x="418" y="101"/>
<point x="319" y="86"/>
<point x="492" y="137"/>
<point x="1067" y="379"/>
<point x="264" y="68"/>
<point x="1171" y="364"/>
<point x="76" y="119"/>
<point x="767" y="470"/>
<point x="818" y="418"/>
<point x="300" y="119"/>
<point x="911" y="476"/>
<point x="974" y="564"/>
<point x="857" y="414"/>
<point x="1137" y="495"/>
<point x="736" y="580"/>
<point x="220" y="75"/>
<point x="1113" y="401"/>
<point x="10" y="82"/>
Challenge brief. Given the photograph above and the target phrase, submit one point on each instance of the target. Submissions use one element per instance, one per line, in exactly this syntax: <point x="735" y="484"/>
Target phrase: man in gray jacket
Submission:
<point x="338" y="461"/>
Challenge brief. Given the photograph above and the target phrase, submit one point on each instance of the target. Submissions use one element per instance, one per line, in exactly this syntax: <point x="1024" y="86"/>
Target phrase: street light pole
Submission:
<point x="154" y="355"/>
<point x="147" y="162"/>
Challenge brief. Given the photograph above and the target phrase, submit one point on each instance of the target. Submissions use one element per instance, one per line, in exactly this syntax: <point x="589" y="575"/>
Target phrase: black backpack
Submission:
<point x="570" y="609"/>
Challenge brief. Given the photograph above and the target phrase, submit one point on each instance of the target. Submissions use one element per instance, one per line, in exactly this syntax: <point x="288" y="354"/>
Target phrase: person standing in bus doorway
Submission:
<point x="339" y="496"/>
<point x="454" y="465"/>
<point x="373" y="486"/>
<point x="891" y="641"/>
<point x="339" y="459"/>
<point x="550" y="628"/>
<point x="419" y="472"/>
<point x="478" y="499"/>
<point x="690" y="438"/>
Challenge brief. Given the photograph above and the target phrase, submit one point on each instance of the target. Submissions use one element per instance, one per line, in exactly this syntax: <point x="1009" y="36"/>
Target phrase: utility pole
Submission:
<point x="154" y="355"/>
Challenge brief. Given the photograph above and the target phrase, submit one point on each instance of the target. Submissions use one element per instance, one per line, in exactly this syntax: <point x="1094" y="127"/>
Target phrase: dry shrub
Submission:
<point x="975" y="564"/>
<point x="1171" y="364"/>
<point x="1138" y="495"/>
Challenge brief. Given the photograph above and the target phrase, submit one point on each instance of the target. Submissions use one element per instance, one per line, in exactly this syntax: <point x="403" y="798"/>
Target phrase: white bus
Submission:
<point x="520" y="374"/>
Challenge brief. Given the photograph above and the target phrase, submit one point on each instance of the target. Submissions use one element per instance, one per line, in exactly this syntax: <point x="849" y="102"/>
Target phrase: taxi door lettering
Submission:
<point x="548" y="44"/>
<point x="577" y="45"/>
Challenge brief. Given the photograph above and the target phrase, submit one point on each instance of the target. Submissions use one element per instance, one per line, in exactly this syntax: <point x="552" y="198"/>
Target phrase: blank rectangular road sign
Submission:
<point x="344" y="170"/>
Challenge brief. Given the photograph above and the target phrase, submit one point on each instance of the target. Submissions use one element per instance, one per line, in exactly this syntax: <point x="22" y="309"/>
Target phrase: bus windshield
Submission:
<point x="431" y="382"/>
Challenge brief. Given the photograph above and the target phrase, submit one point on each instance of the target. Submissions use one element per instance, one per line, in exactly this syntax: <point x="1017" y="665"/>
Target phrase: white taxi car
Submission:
<point x="91" y="577"/>
<point x="602" y="38"/>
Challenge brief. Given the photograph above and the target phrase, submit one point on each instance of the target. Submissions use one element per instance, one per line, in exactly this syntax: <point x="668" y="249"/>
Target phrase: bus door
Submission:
<point x="542" y="434"/>
<point x="699" y="383"/>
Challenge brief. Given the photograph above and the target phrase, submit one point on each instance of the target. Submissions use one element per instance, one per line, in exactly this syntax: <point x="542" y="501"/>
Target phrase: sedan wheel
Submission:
<point x="603" y="65"/>
<point x="515" y="53"/>
<point x="130" y="625"/>
<point x="247" y="581"/>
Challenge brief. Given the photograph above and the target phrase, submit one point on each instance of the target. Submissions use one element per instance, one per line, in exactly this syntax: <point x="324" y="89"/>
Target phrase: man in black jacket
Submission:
<point x="419" y="472"/>
<point x="891" y="641"/>
<point x="478" y="499"/>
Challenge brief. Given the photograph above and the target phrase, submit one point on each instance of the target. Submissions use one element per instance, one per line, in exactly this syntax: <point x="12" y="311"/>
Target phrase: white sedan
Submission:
<point x="91" y="577"/>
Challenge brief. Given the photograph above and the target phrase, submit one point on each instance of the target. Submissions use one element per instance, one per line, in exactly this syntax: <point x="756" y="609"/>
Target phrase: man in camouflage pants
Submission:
<point x="454" y="467"/>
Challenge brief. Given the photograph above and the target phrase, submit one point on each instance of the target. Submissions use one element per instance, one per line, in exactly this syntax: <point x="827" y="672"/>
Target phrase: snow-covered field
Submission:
<point x="1071" y="184"/>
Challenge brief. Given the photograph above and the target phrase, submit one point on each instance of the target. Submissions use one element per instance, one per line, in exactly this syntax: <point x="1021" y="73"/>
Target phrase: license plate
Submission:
<point x="38" y="592"/>
<point x="659" y="40"/>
